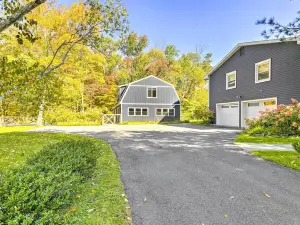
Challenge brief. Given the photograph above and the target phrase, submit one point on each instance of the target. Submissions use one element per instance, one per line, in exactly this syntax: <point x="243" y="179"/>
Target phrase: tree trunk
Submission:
<point x="5" y="23"/>
<point x="40" y="117"/>
<point x="82" y="102"/>
<point x="82" y="99"/>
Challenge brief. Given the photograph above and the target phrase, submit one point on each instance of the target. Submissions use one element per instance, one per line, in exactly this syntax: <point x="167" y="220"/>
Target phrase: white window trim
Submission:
<point x="134" y="110"/>
<point x="162" y="112"/>
<point x="256" y="71"/>
<point x="228" y="74"/>
<point x="156" y="91"/>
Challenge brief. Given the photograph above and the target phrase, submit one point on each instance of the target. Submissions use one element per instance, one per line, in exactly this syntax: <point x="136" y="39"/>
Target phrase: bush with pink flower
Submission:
<point x="281" y="121"/>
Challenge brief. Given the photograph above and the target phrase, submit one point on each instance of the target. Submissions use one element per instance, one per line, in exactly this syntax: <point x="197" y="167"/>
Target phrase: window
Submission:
<point x="131" y="111"/>
<point x="138" y="111"/>
<point x="158" y="112"/>
<point x="165" y="112"/>
<point x="269" y="103"/>
<point x="231" y="80"/>
<point x="145" y="112"/>
<point x="171" y="112"/>
<point x="253" y="104"/>
<point x="263" y="71"/>
<point x="152" y="92"/>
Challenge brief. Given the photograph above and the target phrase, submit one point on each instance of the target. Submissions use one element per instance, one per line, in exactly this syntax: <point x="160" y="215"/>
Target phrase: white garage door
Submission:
<point x="251" y="109"/>
<point x="228" y="114"/>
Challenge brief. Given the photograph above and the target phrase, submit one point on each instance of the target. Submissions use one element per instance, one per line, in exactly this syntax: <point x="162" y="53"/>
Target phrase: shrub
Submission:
<point x="281" y="121"/>
<point x="203" y="113"/>
<point x="256" y="130"/>
<point x="296" y="146"/>
<point x="63" y="115"/>
<point x="37" y="192"/>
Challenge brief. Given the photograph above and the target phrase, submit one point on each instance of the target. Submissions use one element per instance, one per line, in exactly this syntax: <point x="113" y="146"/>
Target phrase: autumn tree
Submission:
<point x="81" y="24"/>
<point x="131" y="46"/>
<point x="13" y="12"/>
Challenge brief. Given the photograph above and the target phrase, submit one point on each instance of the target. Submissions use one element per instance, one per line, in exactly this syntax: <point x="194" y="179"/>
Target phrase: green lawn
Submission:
<point x="284" y="158"/>
<point x="266" y="140"/>
<point x="199" y="122"/>
<point x="16" y="129"/>
<point x="102" y="200"/>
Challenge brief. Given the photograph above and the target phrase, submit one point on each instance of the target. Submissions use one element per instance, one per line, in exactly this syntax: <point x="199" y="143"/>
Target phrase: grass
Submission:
<point x="199" y="122"/>
<point x="15" y="147"/>
<point x="102" y="201"/>
<point x="16" y="129"/>
<point x="174" y="122"/>
<point x="284" y="158"/>
<point x="266" y="139"/>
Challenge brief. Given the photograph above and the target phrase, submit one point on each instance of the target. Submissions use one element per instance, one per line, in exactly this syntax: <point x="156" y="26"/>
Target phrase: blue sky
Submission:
<point x="216" y="26"/>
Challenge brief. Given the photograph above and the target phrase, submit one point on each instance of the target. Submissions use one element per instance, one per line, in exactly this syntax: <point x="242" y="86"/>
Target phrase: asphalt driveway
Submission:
<point x="192" y="175"/>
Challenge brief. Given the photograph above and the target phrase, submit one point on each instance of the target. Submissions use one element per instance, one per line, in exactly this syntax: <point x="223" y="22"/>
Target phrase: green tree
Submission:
<point x="278" y="29"/>
<point x="171" y="52"/>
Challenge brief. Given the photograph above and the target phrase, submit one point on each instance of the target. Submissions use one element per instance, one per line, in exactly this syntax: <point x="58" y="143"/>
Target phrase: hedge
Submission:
<point x="40" y="191"/>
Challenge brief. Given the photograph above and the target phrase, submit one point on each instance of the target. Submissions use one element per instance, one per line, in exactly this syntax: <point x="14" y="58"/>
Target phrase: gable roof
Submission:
<point x="148" y="77"/>
<point x="244" y="44"/>
<point x="134" y="82"/>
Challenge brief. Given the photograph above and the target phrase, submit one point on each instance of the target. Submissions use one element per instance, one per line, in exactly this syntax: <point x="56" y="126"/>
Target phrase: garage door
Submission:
<point x="228" y="114"/>
<point x="251" y="109"/>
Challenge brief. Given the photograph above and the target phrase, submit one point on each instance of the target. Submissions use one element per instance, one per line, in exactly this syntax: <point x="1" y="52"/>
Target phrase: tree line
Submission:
<point x="70" y="66"/>
<point x="65" y="63"/>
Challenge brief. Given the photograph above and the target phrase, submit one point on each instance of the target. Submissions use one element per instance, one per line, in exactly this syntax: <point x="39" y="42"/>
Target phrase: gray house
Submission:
<point x="252" y="77"/>
<point x="148" y="99"/>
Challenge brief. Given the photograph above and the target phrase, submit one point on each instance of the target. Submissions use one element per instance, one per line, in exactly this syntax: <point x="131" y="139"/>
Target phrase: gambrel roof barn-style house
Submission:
<point x="148" y="99"/>
<point x="253" y="77"/>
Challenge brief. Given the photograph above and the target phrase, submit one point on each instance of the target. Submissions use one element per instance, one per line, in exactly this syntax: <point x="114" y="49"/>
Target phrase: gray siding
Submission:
<point x="138" y="94"/>
<point x="136" y="97"/>
<point x="151" y="113"/>
<point x="285" y="75"/>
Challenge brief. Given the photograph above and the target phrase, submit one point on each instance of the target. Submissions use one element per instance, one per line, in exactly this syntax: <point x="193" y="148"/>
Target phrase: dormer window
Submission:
<point x="263" y="71"/>
<point x="151" y="92"/>
<point x="231" y="80"/>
